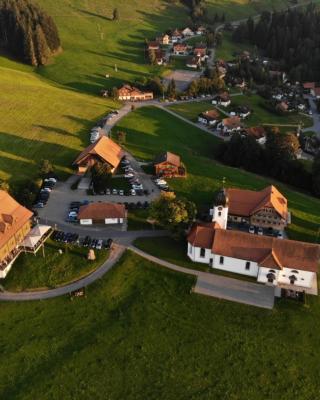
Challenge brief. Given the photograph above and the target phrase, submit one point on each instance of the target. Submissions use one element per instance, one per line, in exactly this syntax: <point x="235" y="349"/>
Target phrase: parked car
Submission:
<point x="121" y="192"/>
<point x="260" y="231"/>
<point x="133" y="192"/>
<point x="251" y="229"/>
<point x="38" y="205"/>
<point x="137" y="187"/>
<point x="279" y="235"/>
<point x="99" y="244"/>
<point x="129" y="175"/>
<point x="109" y="243"/>
<point x="114" y="191"/>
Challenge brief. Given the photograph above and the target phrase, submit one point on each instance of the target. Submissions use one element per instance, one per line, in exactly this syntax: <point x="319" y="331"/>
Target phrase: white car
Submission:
<point x="99" y="244"/>
<point x="121" y="192"/>
<point x="161" y="182"/>
<point x="129" y="175"/>
<point x="251" y="229"/>
<point x="280" y="235"/>
<point x="72" y="214"/>
<point x="260" y="231"/>
<point x="133" y="192"/>
<point x="51" y="180"/>
<point x="137" y="187"/>
<point x="46" y="189"/>
<point x="114" y="191"/>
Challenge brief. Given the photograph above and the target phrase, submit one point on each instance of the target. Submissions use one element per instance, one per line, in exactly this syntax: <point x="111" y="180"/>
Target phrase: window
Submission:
<point x="219" y="214"/>
<point x="247" y="265"/>
<point x="294" y="271"/>
<point x="202" y="253"/>
<point x="221" y="260"/>
<point x="190" y="249"/>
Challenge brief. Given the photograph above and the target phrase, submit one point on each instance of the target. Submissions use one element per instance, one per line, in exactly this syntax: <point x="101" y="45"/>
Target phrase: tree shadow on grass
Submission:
<point x="91" y="14"/>
<point x="56" y="130"/>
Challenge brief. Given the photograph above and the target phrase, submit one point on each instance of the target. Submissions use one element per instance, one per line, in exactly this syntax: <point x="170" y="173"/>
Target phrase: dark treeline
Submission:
<point x="276" y="159"/>
<point x="27" y="32"/>
<point x="291" y="37"/>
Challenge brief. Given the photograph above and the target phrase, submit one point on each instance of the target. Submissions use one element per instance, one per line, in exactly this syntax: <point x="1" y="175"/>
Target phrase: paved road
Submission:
<point x="197" y="125"/>
<point x="221" y="287"/>
<point x="115" y="255"/>
<point x="316" y="117"/>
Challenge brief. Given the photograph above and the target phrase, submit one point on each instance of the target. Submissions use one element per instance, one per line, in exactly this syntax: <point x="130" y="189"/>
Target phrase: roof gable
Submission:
<point x="104" y="148"/>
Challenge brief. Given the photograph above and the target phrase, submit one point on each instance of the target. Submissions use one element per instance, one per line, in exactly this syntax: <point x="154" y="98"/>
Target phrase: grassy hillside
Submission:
<point x="151" y="131"/>
<point x="93" y="43"/>
<point x="139" y="334"/>
<point x="38" y="120"/>
<point x="239" y="9"/>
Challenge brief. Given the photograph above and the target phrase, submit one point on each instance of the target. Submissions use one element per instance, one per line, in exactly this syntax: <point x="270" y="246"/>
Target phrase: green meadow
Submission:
<point x="141" y="334"/>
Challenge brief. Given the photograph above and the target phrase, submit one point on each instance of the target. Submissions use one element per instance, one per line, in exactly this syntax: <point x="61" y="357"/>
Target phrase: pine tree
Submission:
<point x="116" y="15"/>
<point x="41" y="47"/>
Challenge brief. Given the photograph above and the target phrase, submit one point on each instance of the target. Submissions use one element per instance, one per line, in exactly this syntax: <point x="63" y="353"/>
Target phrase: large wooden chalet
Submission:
<point x="169" y="165"/>
<point x="104" y="150"/>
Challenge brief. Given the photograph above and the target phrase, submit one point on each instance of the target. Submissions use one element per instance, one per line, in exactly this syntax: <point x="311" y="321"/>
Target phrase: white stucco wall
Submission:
<point x="111" y="221"/>
<point x="194" y="254"/>
<point x="235" y="265"/>
<point x="304" y="278"/>
<point x="220" y="215"/>
<point x="85" y="221"/>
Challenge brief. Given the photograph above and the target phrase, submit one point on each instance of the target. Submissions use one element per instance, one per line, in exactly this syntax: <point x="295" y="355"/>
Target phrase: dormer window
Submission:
<point x="294" y="271"/>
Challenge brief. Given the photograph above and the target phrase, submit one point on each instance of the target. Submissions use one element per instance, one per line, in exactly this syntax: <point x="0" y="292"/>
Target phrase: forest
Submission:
<point x="291" y="37"/>
<point x="27" y="32"/>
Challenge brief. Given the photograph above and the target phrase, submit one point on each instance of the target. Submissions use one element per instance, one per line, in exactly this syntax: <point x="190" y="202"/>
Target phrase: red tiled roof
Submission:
<point x="13" y="216"/>
<point x="267" y="251"/>
<point x="201" y="235"/>
<point x="248" y="202"/>
<point x="106" y="149"/>
<point x="309" y="85"/>
<point x="100" y="211"/>
<point x="168" y="157"/>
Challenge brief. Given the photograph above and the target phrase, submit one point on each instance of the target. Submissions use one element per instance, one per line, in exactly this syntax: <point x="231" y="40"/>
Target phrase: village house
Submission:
<point x="256" y="132"/>
<point x="230" y="125"/>
<point x="317" y="93"/>
<point x="153" y="46"/>
<point x="169" y="165"/>
<point x="187" y="32"/>
<point x="194" y="62"/>
<point x="180" y="49"/>
<point x="288" y="266"/>
<point x="15" y="225"/>
<point x="241" y="111"/>
<point x="160" y="57"/>
<point x="210" y="117"/>
<point x="308" y="88"/>
<point x="200" y="50"/>
<point x="176" y="36"/>
<point x="104" y="150"/>
<point x="267" y="208"/>
<point x="163" y="39"/>
<point x="201" y="30"/>
<point x="222" y="99"/>
<point x="102" y="213"/>
<point x="130" y="93"/>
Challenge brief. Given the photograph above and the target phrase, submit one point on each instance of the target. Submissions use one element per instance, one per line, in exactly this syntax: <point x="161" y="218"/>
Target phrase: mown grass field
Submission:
<point x="140" y="334"/>
<point x="260" y="115"/>
<point x="42" y="121"/>
<point x="151" y="131"/>
<point x="229" y="48"/>
<point x="93" y="44"/>
<point x="54" y="269"/>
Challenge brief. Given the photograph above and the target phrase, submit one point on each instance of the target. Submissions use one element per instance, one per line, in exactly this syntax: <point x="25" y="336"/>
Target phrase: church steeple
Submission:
<point x="220" y="207"/>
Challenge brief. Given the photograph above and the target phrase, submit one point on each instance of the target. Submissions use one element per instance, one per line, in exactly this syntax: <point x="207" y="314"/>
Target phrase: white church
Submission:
<point x="290" y="266"/>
